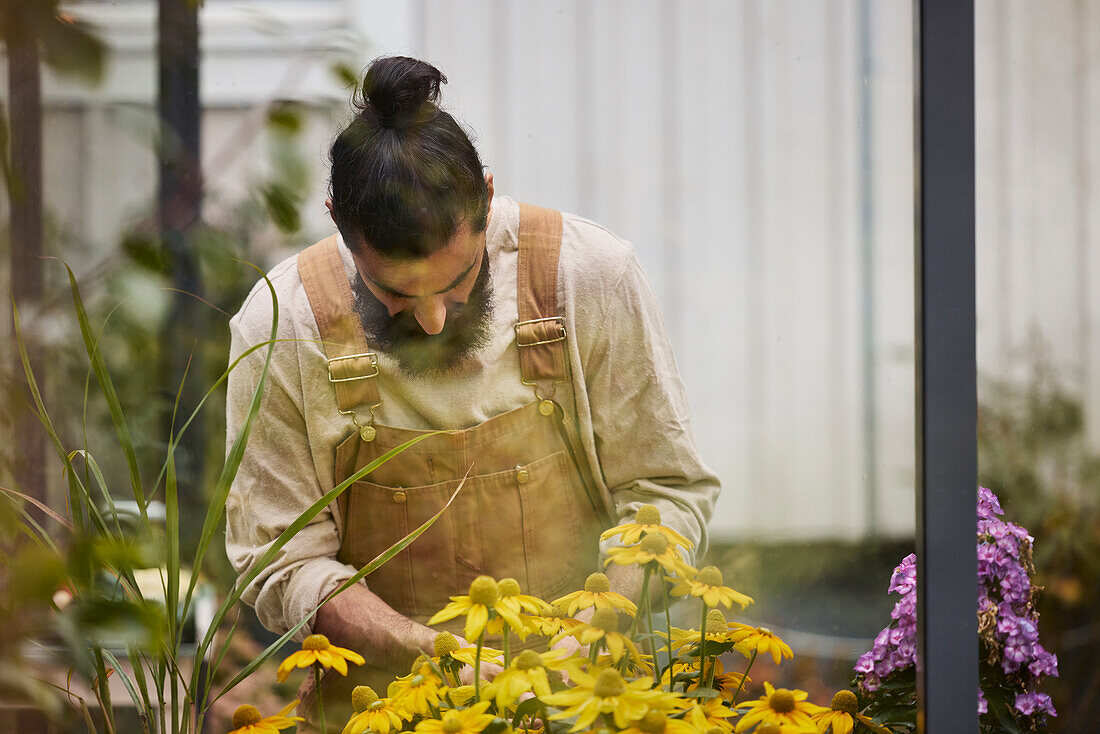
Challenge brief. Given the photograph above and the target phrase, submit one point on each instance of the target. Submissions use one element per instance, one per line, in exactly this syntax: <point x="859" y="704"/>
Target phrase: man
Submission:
<point x="531" y="337"/>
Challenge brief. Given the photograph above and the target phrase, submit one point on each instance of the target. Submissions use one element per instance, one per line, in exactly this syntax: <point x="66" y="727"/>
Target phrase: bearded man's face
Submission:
<point x="420" y="354"/>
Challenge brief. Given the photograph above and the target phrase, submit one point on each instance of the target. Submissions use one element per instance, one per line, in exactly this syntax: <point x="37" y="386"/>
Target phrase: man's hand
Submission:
<point x="488" y="671"/>
<point x="359" y="620"/>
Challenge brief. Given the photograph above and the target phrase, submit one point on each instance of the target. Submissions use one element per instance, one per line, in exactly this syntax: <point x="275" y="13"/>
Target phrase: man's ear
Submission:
<point x="489" y="185"/>
<point x="328" y="205"/>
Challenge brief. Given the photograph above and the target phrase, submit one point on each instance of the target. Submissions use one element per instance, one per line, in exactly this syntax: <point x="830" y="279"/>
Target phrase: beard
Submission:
<point x="419" y="354"/>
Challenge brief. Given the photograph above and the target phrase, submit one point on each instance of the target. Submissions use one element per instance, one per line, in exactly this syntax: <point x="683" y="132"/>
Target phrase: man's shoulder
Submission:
<point x="280" y="288"/>
<point x="591" y="253"/>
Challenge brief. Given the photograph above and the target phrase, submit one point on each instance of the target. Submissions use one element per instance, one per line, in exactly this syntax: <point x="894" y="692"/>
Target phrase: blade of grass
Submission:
<point x="106" y="384"/>
<point x="378" y="561"/>
<point x="138" y="662"/>
<point x="139" y="703"/>
<point x="41" y="506"/>
<point x="43" y="415"/>
<point x="172" y="565"/>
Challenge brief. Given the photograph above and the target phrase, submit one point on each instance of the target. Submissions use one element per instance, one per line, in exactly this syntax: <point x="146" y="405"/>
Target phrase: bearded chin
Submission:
<point x="465" y="332"/>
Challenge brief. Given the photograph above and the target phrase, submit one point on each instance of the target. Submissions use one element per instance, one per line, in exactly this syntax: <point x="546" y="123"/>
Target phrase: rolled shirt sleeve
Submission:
<point x="639" y="410"/>
<point x="277" y="480"/>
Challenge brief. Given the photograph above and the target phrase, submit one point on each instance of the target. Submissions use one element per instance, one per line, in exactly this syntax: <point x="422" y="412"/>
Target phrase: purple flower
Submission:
<point x="1045" y="663"/>
<point x="866" y="663"/>
<point x="983" y="705"/>
<point x="1029" y="703"/>
<point x="988" y="504"/>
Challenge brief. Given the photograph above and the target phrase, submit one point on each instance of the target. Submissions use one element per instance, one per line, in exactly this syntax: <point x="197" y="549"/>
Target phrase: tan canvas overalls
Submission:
<point x="529" y="509"/>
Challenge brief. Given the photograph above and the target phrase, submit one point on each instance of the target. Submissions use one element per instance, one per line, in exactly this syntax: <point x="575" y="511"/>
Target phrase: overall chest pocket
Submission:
<point x="524" y="523"/>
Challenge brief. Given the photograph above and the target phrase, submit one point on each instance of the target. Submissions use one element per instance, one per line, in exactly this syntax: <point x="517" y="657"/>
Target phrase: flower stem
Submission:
<point x="743" y="677"/>
<point x="507" y="650"/>
<point x="320" y="698"/>
<point x="644" y="599"/>
<point x="477" y="666"/>
<point x="649" y="629"/>
<point x="668" y="635"/>
<point x="703" y="645"/>
<point x="593" y="655"/>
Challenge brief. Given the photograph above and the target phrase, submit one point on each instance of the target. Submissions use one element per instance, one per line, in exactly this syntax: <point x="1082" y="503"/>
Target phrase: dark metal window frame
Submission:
<point x="946" y="371"/>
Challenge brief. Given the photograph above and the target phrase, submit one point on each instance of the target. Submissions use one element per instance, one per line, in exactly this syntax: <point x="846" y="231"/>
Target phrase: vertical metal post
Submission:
<point x="26" y="235"/>
<point x="179" y="211"/>
<point x="947" y="678"/>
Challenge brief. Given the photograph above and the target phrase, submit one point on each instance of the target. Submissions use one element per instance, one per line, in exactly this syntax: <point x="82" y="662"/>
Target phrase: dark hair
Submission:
<point x="404" y="173"/>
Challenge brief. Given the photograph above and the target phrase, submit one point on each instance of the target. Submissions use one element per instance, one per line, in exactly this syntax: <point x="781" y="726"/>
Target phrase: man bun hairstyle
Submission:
<point x="404" y="174"/>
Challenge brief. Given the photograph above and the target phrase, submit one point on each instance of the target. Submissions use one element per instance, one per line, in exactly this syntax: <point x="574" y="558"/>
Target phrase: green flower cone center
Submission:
<point x="445" y="644"/>
<point x="484" y="590"/>
<point x="554" y="611"/>
<point x="246" y="715"/>
<point x="648" y="515"/>
<point x="528" y="659"/>
<point x="597" y="583"/>
<point x="716" y="622"/>
<point x="609" y="684"/>
<point x="315" y="642"/>
<point x="781" y="701"/>
<point x="509" y="587"/>
<point x="605" y="619"/>
<point x="654" y="543"/>
<point x="451" y="723"/>
<point x="362" y="697"/>
<point x="653" y="722"/>
<point x="709" y="575"/>
<point x="845" y="701"/>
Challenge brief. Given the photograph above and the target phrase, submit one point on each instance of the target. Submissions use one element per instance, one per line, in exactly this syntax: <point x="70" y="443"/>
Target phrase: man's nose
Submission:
<point x="431" y="314"/>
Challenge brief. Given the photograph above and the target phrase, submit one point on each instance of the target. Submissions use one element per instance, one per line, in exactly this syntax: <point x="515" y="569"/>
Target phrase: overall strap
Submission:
<point x="352" y="367"/>
<point x="540" y="333"/>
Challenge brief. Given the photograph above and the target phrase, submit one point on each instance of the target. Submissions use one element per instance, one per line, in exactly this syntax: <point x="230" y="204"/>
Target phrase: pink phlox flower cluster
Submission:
<point x="1004" y="594"/>
<point x="1033" y="702"/>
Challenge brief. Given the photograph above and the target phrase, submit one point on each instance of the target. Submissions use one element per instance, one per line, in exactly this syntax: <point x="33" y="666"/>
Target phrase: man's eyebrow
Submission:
<point x="452" y="286"/>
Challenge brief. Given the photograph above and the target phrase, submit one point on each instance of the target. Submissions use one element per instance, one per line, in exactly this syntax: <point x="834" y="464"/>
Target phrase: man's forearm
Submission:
<point x="359" y="620"/>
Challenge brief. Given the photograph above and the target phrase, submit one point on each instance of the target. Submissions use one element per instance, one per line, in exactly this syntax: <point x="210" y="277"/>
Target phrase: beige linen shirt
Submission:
<point x="630" y="406"/>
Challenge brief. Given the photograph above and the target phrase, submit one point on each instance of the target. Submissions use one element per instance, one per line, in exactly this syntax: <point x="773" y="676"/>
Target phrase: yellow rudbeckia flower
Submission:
<point x="841" y="717"/>
<point x="519" y="604"/>
<point x="604" y="626"/>
<point x="372" y="713"/>
<point x="760" y="640"/>
<point x="711" y="714"/>
<point x="707" y="585"/>
<point x="596" y="593"/>
<point x="458" y="721"/>
<point x="783" y="707"/>
<point x="651" y="548"/>
<point x="718" y="630"/>
<point x="484" y="596"/>
<point x="606" y="693"/>
<point x="552" y="621"/>
<point x="527" y="673"/>
<point x="317" y="649"/>
<point x="418" y="691"/>
<point x="247" y="720"/>
<point x="647" y="521"/>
